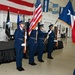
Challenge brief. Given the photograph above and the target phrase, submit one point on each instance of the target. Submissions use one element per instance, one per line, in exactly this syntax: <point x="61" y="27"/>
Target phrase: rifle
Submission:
<point x="55" y="31"/>
<point x="47" y="36"/>
<point x="25" y="38"/>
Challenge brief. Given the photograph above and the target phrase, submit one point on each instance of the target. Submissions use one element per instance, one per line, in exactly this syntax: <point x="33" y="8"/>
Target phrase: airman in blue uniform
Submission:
<point x="74" y="72"/>
<point x="41" y="36"/>
<point x="50" y="41"/>
<point x="32" y="43"/>
<point x="18" y="44"/>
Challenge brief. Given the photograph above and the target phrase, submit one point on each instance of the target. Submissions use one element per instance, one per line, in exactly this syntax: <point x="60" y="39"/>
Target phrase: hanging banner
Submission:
<point x="45" y="5"/>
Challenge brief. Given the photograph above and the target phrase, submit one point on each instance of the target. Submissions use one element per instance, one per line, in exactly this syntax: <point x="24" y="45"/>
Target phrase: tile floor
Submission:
<point x="62" y="64"/>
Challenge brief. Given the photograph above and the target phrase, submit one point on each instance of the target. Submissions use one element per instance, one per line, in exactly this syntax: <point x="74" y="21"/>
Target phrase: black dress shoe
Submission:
<point x="50" y="57"/>
<point x="41" y="60"/>
<point x="22" y="68"/>
<point x="33" y="64"/>
<point x="19" y="69"/>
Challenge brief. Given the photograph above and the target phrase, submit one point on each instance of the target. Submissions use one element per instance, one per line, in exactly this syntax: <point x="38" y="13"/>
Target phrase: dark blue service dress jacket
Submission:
<point x="19" y="38"/>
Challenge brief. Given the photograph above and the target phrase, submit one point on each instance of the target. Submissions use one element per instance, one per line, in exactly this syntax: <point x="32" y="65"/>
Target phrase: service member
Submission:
<point x="74" y="72"/>
<point x="32" y="43"/>
<point x="41" y="36"/>
<point x="50" y="41"/>
<point x="19" y="45"/>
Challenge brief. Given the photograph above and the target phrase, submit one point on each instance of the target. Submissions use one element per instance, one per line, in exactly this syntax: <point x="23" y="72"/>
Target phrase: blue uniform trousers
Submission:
<point x="50" y="48"/>
<point x="74" y="72"/>
<point x="40" y="49"/>
<point x="19" y="56"/>
<point x="32" y="49"/>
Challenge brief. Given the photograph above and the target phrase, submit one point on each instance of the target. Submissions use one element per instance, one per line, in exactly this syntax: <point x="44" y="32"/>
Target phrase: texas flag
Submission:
<point x="73" y="27"/>
<point x="68" y="17"/>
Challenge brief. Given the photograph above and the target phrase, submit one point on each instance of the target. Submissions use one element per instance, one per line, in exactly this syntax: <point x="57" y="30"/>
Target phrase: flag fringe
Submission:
<point x="64" y="23"/>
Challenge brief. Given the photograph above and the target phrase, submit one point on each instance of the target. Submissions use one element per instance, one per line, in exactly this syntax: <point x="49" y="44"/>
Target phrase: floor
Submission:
<point x="62" y="64"/>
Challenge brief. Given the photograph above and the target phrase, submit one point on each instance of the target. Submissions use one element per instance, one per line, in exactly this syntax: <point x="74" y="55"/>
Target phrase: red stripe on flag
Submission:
<point x="15" y="10"/>
<point x="36" y="17"/>
<point x="73" y="33"/>
<point x="33" y="26"/>
<point x="37" y="9"/>
<point x="22" y="3"/>
<point x="36" y="22"/>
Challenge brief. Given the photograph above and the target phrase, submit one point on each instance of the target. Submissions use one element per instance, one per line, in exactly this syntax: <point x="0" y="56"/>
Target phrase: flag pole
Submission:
<point x="25" y="35"/>
<point x="25" y="40"/>
<point x="36" y="32"/>
<point x="56" y="30"/>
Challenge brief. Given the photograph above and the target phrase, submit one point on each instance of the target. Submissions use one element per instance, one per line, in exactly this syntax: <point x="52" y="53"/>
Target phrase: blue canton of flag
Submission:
<point x="64" y="15"/>
<point x="37" y="3"/>
<point x="61" y="10"/>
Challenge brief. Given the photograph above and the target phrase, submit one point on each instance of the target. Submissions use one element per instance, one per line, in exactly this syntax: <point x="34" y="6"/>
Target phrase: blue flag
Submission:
<point x="7" y="30"/>
<point x="64" y="15"/>
<point x="45" y="5"/>
<point x="18" y="20"/>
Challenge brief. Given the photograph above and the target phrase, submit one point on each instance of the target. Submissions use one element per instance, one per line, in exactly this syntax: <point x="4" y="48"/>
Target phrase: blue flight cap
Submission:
<point x="21" y="22"/>
<point x="50" y="25"/>
<point x="41" y="25"/>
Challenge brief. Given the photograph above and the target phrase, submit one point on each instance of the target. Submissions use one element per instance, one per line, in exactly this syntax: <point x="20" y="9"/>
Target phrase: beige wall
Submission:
<point x="60" y="2"/>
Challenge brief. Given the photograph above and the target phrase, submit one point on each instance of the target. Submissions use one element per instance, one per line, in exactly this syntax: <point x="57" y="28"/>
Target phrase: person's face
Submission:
<point x="29" y="20"/>
<point x="22" y="25"/>
<point x="51" y="27"/>
<point x="42" y="28"/>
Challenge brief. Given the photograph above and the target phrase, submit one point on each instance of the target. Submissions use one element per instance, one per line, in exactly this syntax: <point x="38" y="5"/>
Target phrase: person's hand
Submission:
<point x="23" y="44"/>
<point x="24" y="51"/>
<point x="36" y="28"/>
<point x="55" y="40"/>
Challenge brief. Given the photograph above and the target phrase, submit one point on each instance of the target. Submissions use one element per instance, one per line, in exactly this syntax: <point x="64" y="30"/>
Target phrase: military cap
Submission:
<point x="50" y="25"/>
<point x="41" y="25"/>
<point x="21" y="22"/>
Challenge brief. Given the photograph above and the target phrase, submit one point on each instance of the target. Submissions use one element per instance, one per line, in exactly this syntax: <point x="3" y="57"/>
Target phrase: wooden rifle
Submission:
<point x="25" y="39"/>
<point x="47" y="36"/>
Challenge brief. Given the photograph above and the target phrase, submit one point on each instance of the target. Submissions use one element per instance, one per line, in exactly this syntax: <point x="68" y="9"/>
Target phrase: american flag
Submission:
<point x="23" y="6"/>
<point x="37" y="15"/>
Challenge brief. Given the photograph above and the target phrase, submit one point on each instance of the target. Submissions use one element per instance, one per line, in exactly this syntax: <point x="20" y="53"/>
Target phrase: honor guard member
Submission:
<point x="19" y="45"/>
<point x="32" y="43"/>
<point x="41" y="36"/>
<point x="50" y="41"/>
<point x="74" y="72"/>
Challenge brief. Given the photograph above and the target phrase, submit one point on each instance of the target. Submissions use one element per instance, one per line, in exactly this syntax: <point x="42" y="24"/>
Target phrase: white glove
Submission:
<point x="49" y="32"/>
<point x="36" y="28"/>
<point x="23" y="44"/>
<point x="55" y="40"/>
